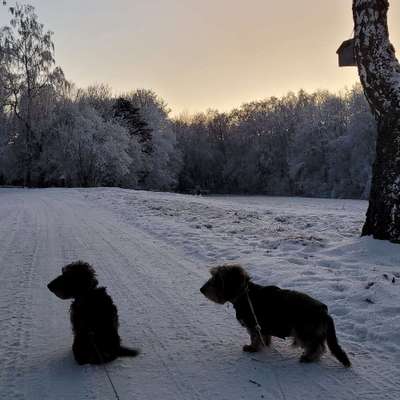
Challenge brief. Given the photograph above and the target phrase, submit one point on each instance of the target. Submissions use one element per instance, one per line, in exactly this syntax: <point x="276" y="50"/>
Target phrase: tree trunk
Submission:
<point x="379" y="72"/>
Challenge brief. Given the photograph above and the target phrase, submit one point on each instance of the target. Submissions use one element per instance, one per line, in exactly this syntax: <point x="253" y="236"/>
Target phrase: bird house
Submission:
<point x="346" y="53"/>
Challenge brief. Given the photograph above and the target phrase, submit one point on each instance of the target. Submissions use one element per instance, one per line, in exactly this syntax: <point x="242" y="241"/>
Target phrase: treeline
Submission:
<point x="53" y="134"/>
<point x="319" y="144"/>
<point x="91" y="139"/>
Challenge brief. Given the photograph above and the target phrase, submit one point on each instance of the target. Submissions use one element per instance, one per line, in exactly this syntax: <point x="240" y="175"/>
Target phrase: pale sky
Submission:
<point x="199" y="54"/>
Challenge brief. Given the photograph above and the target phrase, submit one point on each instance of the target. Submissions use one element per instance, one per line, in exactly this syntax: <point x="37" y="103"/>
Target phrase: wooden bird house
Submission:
<point x="346" y="53"/>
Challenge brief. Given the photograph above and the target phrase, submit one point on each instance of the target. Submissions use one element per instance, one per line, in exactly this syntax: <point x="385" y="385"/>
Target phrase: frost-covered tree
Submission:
<point x="351" y="154"/>
<point x="28" y="68"/>
<point x="379" y="72"/>
<point x="129" y="116"/>
<point x="85" y="150"/>
<point x="162" y="164"/>
<point x="3" y="146"/>
<point x="202" y="143"/>
<point x="98" y="97"/>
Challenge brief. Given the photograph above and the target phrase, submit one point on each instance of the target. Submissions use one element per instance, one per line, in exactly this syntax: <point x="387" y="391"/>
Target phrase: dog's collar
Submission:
<point x="245" y="291"/>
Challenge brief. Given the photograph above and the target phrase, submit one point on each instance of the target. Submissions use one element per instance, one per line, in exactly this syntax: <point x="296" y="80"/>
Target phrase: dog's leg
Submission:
<point x="267" y="339"/>
<point x="296" y="341"/>
<point x="313" y="351"/>
<point x="255" y="341"/>
<point x="82" y="350"/>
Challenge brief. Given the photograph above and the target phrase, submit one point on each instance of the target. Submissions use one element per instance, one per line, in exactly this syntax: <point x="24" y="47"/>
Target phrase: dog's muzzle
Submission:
<point x="52" y="286"/>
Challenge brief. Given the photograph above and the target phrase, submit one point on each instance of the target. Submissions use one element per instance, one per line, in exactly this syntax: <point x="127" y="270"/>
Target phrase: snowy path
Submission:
<point x="191" y="348"/>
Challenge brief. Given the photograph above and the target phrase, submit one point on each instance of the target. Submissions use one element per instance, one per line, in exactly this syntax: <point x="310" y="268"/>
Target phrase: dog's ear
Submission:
<point x="213" y="271"/>
<point x="87" y="277"/>
<point x="245" y="276"/>
<point x="236" y="280"/>
<point x="80" y="277"/>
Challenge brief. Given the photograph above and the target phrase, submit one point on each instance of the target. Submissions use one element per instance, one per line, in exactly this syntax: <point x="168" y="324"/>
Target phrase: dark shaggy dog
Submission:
<point x="281" y="313"/>
<point x="94" y="316"/>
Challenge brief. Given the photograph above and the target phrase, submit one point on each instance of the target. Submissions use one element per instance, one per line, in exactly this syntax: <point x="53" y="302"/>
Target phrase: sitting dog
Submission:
<point x="94" y="316"/>
<point x="281" y="313"/>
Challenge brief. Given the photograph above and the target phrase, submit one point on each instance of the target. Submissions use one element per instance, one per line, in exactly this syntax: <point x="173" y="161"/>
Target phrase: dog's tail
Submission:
<point x="333" y="344"/>
<point x="127" y="352"/>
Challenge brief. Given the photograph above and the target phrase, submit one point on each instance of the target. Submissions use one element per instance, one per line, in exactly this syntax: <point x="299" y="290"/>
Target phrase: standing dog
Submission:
<point x="279" y="312"/>
<point x="94" y="316"/>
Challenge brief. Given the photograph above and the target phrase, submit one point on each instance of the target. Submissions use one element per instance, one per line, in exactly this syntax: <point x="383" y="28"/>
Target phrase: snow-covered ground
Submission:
<point x="152" y="251"/>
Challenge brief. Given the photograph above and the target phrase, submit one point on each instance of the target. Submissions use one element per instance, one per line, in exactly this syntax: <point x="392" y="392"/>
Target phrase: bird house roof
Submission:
<point x="344" y="45"/>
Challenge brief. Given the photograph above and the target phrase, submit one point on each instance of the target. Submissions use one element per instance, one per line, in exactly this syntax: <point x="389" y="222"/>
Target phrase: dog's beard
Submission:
<point x="214" y="298"/>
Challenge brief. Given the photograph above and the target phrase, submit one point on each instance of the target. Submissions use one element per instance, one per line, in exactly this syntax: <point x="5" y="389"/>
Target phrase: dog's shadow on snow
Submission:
<point x="63" y="373"/>
<point x="278" y="368"/>
<point x="282" y="363"/>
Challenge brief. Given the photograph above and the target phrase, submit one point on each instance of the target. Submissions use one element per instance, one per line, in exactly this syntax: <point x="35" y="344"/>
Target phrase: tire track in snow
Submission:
<point x="29" y="369"/>
<point x="10" y="224"/>
<point x="18" y="301"/>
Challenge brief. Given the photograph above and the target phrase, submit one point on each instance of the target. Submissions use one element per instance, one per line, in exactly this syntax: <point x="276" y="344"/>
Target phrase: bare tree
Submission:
<point x="379" y="72"/>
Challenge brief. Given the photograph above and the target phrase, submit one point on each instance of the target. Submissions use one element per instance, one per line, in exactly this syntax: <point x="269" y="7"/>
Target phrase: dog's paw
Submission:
<point x="248" y="348"/>
<point x="305" y="359"/>
<point x="295" y="344"/>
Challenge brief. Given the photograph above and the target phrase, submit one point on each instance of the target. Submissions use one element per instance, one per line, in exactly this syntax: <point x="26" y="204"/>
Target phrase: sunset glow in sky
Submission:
<point x="200" y="54"/>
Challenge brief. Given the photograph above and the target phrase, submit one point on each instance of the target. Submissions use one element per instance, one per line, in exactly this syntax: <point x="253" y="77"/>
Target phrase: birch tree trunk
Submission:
<point x="379" y="72"/>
